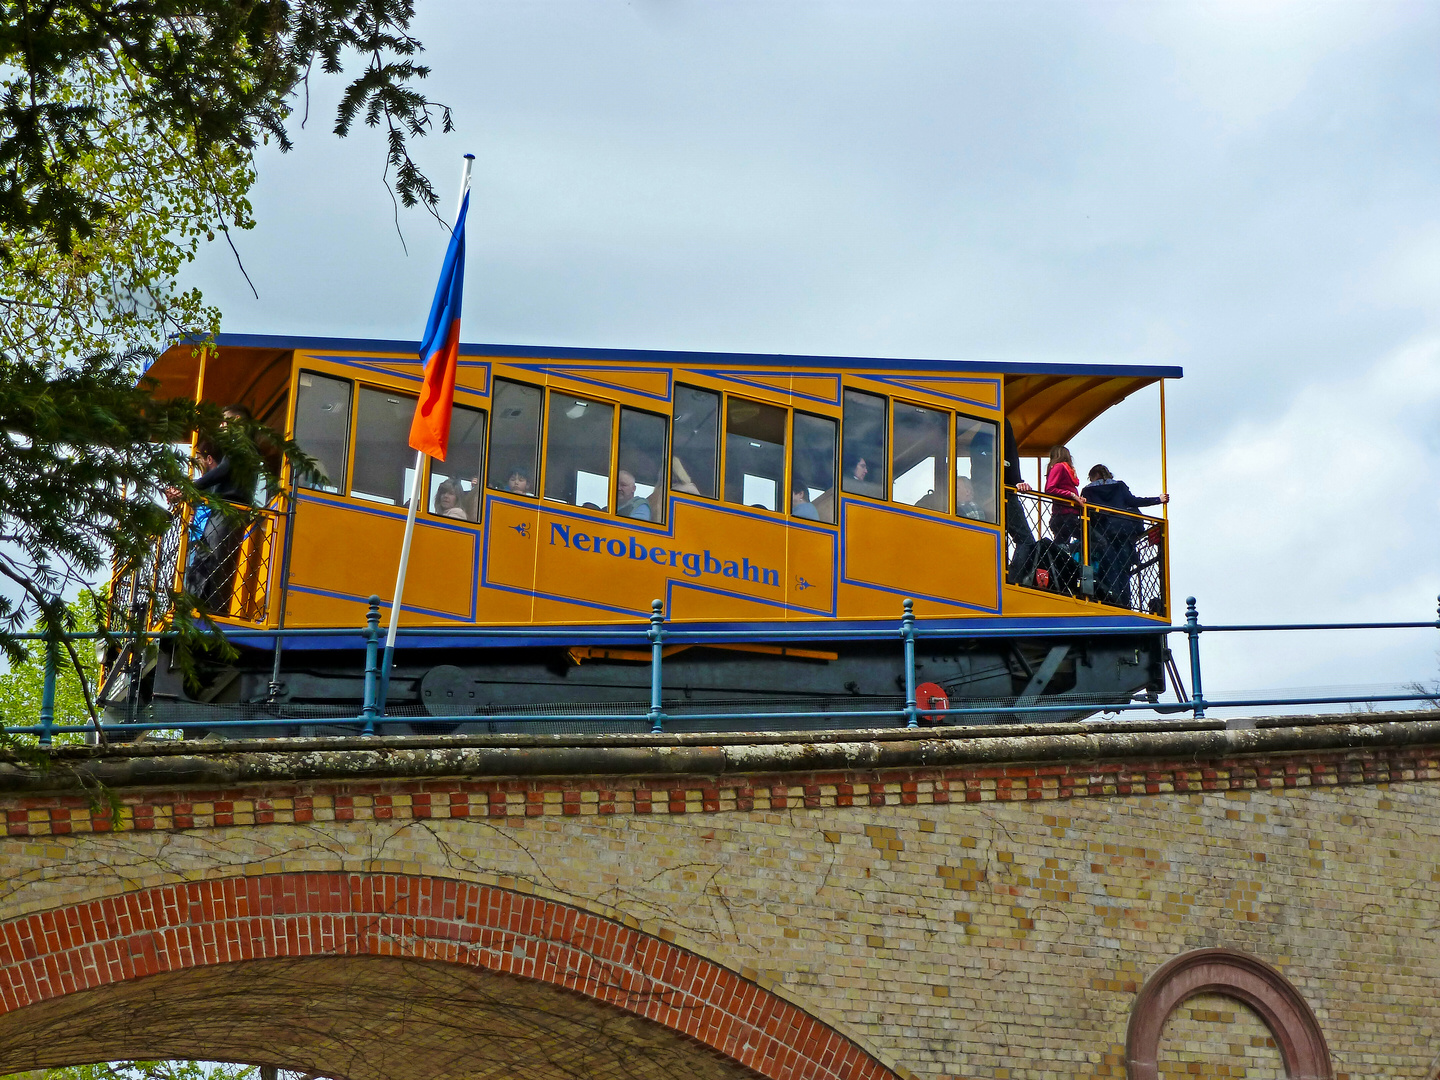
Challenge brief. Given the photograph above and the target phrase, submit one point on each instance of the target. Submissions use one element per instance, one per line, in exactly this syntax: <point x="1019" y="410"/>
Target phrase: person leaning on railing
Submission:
<point x="1062" y="481"/>
<point x="214" y="538"/>
<point x="202" y="532"/>
<point x="1113" y="536"/>
<point x="1016" y="525"/>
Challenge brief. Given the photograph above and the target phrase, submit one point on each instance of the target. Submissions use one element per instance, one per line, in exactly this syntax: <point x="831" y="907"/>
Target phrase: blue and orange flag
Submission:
<point x="440" y="349"/>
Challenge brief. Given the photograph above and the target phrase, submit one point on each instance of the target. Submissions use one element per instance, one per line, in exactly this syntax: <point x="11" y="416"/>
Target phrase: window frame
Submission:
<point x="537" y="478"/>
<point x="724" y="399"/>
<point x="668" y="419"/>
<point x="543" y="472"/>
<point x="349" y="454"/>
<point x="885" y="451"/>
<point x="430" y="464"/>
<point x="949" y="415"/>
<point x="617" y="406"/>
<point x="354" y="429"/>
<point x="835" y="422"/>
<point x="717" y="479"/>
<point x="997" y="465"/>
<point x="782" y="497"/>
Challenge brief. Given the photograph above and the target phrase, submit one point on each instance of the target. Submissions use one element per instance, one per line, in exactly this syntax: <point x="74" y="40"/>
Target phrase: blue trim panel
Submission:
<point x="429" y="521"/>
<point x="686" y="358"/>
<point x="954" y="523"/>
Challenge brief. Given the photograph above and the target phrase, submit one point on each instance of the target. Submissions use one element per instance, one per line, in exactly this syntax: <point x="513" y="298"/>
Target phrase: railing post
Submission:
<point x="657" y="656"/>
<point x="1192" y="631"/>
<point x="907" y="634"/>
<point x="372" y="665"/>
<point x="274" y="688"/>
<point x="47" y="691"/>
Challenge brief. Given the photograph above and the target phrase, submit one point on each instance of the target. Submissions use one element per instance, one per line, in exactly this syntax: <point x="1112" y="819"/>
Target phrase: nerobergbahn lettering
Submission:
<point x="691" y="564"/>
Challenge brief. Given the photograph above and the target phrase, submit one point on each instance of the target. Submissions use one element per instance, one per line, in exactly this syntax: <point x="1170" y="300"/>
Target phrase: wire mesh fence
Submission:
<point x="1111" y="557"/>
<point x="226" y="560"/>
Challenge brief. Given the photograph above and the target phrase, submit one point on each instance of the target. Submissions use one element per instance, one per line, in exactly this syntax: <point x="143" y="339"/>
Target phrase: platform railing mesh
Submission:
<point x="227" y="561"/>
<point x="1110" y="557"/>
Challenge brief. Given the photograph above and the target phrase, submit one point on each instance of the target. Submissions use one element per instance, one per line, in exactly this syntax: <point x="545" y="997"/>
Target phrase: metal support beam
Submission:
<point x="1041" y="679"/>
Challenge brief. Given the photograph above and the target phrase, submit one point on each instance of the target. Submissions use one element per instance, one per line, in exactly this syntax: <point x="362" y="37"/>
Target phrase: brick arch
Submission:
<point x="1235" y="975"/>
<point x="170" y="938"/>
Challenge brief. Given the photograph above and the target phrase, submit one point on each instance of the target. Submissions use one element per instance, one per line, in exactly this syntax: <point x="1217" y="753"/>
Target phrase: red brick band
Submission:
<point x="517" y="799"/>
<point x="173" y="927"/>
<point x="1235" y="975"/>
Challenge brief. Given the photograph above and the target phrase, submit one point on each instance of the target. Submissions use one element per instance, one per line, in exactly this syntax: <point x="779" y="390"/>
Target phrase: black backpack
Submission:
<point x="1052" y="567"/>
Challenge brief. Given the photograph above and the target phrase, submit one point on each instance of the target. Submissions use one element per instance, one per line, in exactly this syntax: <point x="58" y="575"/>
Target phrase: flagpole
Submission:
<point x="416" y="493"/>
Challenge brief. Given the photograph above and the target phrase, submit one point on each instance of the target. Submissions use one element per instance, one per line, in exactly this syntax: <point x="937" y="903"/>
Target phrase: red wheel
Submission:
<point x="931" y="696"/>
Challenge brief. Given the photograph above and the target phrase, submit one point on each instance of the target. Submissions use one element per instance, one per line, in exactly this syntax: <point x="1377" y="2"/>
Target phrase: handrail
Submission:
<point x="677" y="632"/>
<point x="655" y="630"/>
<point x="1081" y="504"/>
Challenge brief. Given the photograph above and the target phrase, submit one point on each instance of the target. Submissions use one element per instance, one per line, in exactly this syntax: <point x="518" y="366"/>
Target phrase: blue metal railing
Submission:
<point x="372" y="710"/>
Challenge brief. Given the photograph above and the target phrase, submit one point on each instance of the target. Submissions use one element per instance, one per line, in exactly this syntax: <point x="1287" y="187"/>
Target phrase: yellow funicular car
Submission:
<point x="780" y="507"/>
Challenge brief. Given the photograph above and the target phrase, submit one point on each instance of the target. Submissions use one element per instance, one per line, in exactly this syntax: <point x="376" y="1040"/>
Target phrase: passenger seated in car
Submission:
<point x="857" y="471"/>
<point x="518" y="482"/>
<point x="965" y="499"/>
<point x="800" y="504"/>
<point x="627" y="503"/>
<point x="447" y="501"/>
<point x="933" y="500"/>
<point x="680" y="478"/>
<point x="1063" y="482"/>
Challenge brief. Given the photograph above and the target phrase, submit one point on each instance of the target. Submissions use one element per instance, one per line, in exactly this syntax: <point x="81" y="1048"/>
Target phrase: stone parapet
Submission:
<point x="1169" y="744"/>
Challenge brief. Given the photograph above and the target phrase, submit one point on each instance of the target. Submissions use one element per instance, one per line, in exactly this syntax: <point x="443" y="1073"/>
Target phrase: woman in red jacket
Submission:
<point x="1062" y="481"/>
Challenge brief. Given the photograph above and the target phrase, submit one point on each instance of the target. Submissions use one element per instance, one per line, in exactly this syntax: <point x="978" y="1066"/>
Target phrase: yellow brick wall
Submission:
<point x="997" y="939"/>
<point x="1213" y="1036"/>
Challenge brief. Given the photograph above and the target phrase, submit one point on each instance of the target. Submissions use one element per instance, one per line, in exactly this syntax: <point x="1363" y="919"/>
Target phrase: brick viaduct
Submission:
<point x="1098" y="900"/>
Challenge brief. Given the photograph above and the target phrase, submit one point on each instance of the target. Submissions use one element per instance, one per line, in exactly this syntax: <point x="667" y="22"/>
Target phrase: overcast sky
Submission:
<point x="1249" y="190"/>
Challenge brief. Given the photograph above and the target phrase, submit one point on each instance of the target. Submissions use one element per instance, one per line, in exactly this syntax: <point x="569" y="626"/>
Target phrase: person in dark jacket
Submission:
<point x="1016" y="525"/>
<point x="1113" y="536"/>
<point x="214" y="552"/>
<point x="219" y="479"/>
<point x="215" y="537"/>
